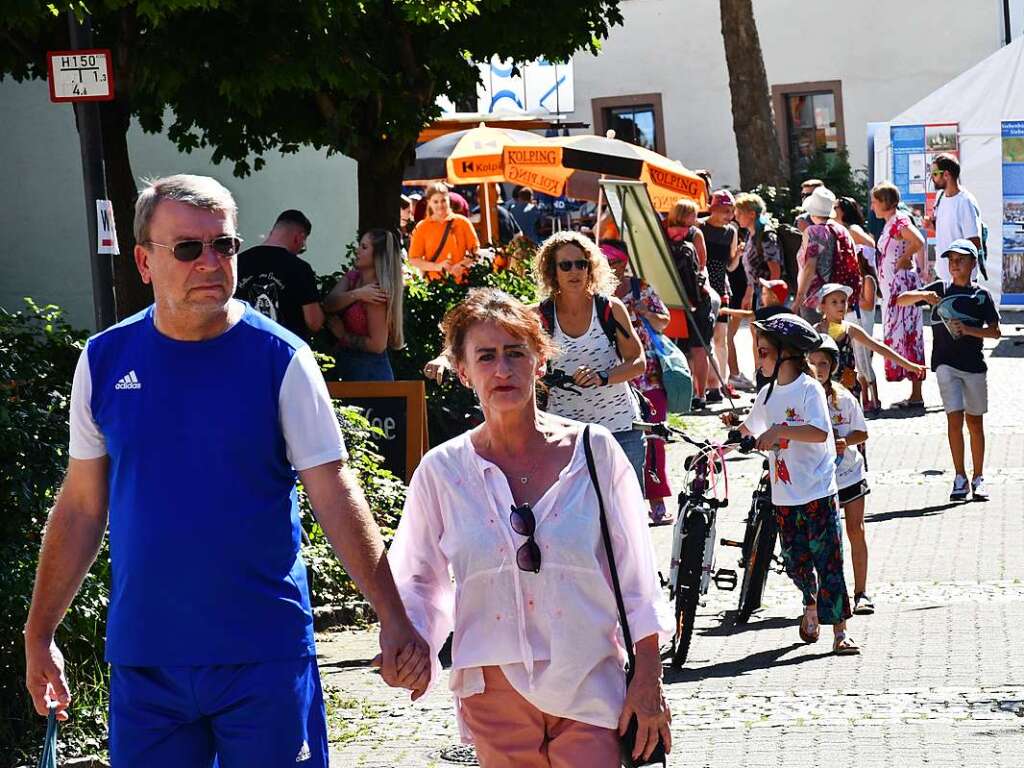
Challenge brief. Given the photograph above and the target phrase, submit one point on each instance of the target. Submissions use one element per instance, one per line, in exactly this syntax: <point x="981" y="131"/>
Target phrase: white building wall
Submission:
<point x="887" y="54"/>
<point x="43" y="253"/>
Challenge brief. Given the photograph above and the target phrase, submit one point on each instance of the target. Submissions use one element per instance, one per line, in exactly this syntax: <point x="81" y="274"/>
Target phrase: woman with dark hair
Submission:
<point x="365" y="309"/>
<point x="501" y="543"/>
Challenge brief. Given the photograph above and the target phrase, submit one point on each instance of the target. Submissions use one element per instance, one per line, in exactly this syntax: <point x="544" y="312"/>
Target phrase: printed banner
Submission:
<point x="1013" y="206"/>
<point x="913" y="149"/>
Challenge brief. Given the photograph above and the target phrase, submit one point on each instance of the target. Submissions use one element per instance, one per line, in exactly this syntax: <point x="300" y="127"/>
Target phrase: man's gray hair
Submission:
<point x="200" y="191"/>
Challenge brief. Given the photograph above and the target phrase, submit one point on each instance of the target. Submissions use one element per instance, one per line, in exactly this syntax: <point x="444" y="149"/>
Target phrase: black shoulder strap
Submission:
<point x="547" y="315"/>
<point x="606" y="536"/>
<point x="606" y="316"/>
<point x="634" y="287"/>
<point x="444" y="239"/>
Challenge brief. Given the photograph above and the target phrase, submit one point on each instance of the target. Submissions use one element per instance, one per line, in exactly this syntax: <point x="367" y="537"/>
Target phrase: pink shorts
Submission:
<point x="509" y="732"/>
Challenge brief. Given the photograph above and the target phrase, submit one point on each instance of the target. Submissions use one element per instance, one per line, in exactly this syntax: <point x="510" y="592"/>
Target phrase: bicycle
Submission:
<point x="692" y="566"/>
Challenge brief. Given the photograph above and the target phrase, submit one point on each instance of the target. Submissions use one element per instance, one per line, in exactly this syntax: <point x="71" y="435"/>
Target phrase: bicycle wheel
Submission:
<point x="762" y="547"/>
<point x="687" y="586"/>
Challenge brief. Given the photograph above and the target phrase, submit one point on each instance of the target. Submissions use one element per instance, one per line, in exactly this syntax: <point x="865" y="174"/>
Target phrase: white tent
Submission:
<point x="979" y="100"/>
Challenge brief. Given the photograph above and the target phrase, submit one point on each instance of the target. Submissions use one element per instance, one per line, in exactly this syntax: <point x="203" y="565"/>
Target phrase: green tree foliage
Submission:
<point x="244" y="78"/>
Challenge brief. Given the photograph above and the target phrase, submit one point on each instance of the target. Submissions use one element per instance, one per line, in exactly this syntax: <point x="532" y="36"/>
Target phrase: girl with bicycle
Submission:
<point x="790" y="419"/>
<point x="850" y="430"/>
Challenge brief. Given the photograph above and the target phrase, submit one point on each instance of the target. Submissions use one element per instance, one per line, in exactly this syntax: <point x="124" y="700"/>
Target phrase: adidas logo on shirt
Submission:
<point x="128" y="381"/>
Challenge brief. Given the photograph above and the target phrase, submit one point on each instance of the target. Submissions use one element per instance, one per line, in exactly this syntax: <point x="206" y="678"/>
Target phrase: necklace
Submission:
<point x="524" y="478"/>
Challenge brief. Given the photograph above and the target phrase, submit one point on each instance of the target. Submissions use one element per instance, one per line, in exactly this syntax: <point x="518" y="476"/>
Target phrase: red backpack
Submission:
<point x="845" y="267"/>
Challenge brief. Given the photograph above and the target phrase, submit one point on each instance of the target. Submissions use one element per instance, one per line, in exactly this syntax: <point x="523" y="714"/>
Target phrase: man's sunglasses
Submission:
<point x="936" y="174"/>
<point x="190" y="250"/>
<point x="581" y="264"/>
<point x="525" y="524"/>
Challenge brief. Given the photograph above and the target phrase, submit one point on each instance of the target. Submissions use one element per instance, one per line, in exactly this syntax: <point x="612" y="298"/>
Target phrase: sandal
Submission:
<point x="810" y="630"/>
<point x="843" y="645"/>
<point x="863" y="605"/>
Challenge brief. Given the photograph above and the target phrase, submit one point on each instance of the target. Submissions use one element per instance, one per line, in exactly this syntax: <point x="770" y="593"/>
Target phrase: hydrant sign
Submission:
<point x="80" y="75"/>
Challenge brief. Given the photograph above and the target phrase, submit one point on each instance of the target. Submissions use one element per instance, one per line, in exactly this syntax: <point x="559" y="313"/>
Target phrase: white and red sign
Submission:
<point x="80" y="75"/>
<point x="106" y="231"/>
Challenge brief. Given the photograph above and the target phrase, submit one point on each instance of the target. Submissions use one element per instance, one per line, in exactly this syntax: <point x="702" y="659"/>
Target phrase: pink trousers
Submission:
<point x="509" y="732"/>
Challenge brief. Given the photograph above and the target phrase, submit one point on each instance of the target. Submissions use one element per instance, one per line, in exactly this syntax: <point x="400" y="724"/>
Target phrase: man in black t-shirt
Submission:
<point x="964" y="314"/>
<point x="277" y="283"/>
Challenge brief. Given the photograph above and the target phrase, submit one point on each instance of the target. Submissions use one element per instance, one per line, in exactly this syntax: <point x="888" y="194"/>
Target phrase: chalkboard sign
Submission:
<point x="398" y="409"/>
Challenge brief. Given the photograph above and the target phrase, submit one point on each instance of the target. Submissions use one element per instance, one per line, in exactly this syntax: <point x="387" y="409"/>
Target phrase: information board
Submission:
<point x="914" y="147"/>
<point x="1013" y="207"/>
<point x="399" y="410"/>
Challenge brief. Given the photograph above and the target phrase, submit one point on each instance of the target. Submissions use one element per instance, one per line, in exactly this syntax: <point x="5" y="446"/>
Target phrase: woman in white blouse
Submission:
<point x="509" y="510"/>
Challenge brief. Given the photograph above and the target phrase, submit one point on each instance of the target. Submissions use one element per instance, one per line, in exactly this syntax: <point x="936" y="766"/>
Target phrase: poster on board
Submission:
<point x="1013" y="206"/>
<point x="914" y="147"/>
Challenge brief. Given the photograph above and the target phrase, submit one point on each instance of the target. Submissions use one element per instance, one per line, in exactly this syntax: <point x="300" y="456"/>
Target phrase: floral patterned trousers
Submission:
<point x="812" y="550"/>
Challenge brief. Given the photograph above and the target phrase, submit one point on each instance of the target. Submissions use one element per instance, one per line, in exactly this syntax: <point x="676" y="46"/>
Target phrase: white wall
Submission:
<point x="44" y="253"/>
<point x="887" y="54"/>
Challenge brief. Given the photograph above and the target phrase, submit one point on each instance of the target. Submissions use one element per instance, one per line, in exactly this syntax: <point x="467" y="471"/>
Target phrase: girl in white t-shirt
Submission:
<point x="850" y="430"/>
<point x="790" y="418"/>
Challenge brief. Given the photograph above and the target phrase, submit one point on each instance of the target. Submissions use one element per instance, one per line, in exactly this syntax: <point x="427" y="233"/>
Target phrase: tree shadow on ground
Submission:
<point x="901" y="514"/>
<point x="1009" y="346"/>
<point x="752" y="663"/>
<point x="343" y="663"/>
<point x="730" y="627"/>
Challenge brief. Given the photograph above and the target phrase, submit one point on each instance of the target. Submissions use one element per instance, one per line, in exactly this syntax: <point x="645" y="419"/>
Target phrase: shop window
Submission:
<point x="809" y="121"/>
<point x="637" y="119"/>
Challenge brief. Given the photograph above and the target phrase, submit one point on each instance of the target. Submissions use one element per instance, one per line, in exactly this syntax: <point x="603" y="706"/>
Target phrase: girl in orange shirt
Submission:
<point x="443" y="241"/>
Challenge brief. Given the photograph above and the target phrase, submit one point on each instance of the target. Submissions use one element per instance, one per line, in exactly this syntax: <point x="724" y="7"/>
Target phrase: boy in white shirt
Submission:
<point x="850" y="430"/>
<point x="790" y="418"/>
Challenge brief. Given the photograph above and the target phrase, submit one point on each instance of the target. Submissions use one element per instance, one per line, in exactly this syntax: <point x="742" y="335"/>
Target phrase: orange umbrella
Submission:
<point x="473" y="156"/>
<point x="553" y="164"/>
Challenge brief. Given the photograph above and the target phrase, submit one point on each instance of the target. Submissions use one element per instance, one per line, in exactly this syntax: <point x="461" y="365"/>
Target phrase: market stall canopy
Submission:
<point x="473" y="156"/>
<point x="552" y="165"/>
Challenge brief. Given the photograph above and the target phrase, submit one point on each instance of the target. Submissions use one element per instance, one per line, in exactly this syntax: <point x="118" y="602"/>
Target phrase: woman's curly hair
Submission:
<point x="600" y="276"/>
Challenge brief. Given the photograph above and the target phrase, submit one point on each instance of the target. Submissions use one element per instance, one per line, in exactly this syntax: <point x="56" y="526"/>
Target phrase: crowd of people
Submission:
<point x="524" y="537"/>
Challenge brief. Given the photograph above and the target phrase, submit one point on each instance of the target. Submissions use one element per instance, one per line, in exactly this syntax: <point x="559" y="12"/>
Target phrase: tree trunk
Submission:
<point x="381" y="167"/>
<point x="757" y="142"/>
<point x="131" y="294"/>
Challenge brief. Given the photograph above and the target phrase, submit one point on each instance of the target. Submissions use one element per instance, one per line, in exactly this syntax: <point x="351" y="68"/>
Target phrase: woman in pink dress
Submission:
<point x="900" y="250"/>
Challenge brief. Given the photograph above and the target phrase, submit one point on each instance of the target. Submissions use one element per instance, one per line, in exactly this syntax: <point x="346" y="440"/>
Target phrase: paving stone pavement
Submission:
<point x="940" y="681"/>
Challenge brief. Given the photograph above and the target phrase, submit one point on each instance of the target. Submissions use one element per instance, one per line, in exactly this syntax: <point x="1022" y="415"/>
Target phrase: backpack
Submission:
<point x="609" y="324"/>
<point x="982" y="234"/>
<point x="684" y="256"/>
<point x="845" y="265"/>
<point x="790" y="240"/>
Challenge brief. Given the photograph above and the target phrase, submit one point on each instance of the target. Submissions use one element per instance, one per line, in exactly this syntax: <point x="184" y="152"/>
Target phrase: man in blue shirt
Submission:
<point x="189" y="422"/>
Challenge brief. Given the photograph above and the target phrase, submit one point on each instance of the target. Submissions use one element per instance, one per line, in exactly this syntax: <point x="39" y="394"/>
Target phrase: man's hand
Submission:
<point x="931" y="297"/>
<point x="404" y="658"/>
<point x="44" y="677"/>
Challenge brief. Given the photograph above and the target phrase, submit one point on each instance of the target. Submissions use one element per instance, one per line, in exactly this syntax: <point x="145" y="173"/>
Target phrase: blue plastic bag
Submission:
<point x="675" y="371"/>
<point x="49" y="757"/>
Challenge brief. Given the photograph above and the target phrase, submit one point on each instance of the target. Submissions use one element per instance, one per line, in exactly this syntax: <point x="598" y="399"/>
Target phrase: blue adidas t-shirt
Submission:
<point x="203" y="440"/>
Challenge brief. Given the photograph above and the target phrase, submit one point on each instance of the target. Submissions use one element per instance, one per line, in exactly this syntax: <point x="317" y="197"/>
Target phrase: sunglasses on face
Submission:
<point x="936" y="174"/>
<point x="190" y="250"/>
<point x="580" y="264"/>
<point x="525" y="524"/>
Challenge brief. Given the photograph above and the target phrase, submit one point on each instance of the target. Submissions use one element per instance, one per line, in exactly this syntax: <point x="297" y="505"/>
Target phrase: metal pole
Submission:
<point x="90" y="136"/>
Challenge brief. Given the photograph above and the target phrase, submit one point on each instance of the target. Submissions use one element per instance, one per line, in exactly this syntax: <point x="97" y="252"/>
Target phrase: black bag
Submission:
<point x="684" y="255"/>
<point x="790" y="240"/>
<point x="627" y="741"/>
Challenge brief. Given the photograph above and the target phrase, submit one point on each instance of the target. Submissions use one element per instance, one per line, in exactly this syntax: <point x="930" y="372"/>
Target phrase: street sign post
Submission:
<point x="80" y="76"/>
<point x="85" y="75"/>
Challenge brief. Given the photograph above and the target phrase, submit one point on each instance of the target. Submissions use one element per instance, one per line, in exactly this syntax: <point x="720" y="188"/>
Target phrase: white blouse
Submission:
<point x="555" y="633"/>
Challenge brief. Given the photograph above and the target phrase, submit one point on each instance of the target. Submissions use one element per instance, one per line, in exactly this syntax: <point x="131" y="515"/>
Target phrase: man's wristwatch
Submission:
<point x="603" y="376"/>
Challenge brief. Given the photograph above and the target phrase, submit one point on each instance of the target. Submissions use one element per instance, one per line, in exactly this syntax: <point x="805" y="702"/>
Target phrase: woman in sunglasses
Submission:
<point x="509" y="510"/>
<point x="596" y="342"/>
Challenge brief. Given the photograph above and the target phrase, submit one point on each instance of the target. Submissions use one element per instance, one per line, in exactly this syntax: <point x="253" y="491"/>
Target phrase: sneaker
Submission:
<point x="698" y="404"/>
<point x="713" y="396"/>
<point x="960" y="489"/>
<point x="862" y="605"/>
<point x="739" y="381"/>
<point x="978" y="490"/>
